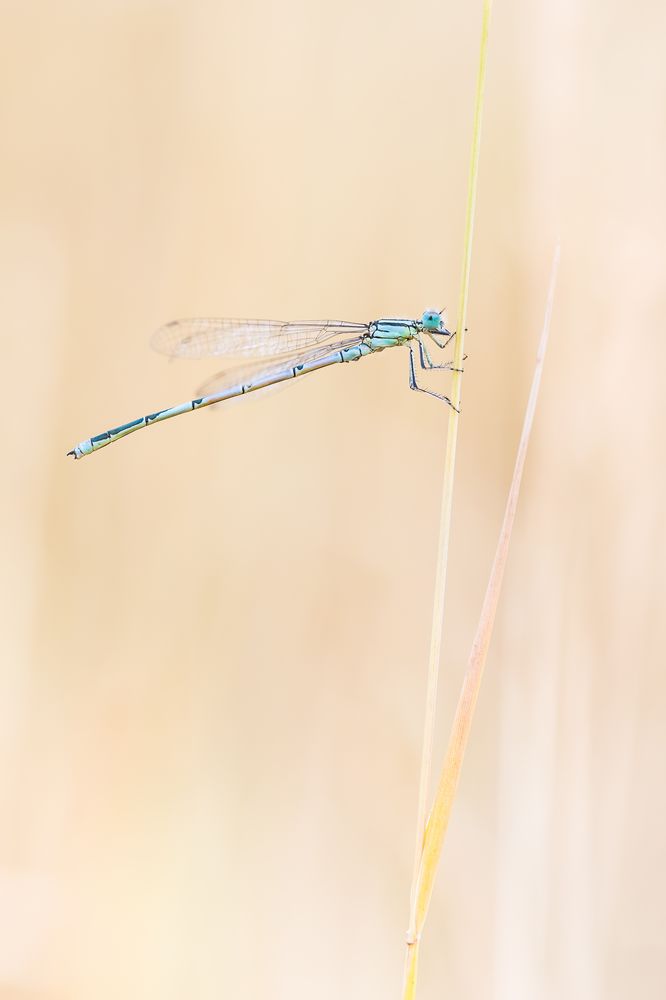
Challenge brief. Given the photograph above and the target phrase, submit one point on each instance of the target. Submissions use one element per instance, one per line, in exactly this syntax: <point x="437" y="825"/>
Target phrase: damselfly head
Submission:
<point x="432" y="319"/>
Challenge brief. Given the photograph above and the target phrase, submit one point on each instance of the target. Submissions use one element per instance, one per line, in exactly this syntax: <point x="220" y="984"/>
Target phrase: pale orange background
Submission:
<point x="215" y="633"/>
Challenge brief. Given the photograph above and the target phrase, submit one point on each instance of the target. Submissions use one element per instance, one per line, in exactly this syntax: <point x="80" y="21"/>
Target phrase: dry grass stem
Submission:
<point x="441" y="811"/>
<point x="449" y="472"/>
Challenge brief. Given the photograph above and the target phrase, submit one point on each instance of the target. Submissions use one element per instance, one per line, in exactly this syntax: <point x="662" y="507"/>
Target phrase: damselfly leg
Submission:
<point x="427" y="363"/>
<point x="413" y="384"/>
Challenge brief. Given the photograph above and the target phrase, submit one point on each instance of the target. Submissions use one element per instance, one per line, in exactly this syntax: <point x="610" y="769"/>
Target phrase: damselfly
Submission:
<point x="286" y="350"/>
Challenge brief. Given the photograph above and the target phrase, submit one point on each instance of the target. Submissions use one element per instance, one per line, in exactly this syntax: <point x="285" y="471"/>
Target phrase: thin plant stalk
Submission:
<point x="439" y="817"/>
<point x="449" y="472"/>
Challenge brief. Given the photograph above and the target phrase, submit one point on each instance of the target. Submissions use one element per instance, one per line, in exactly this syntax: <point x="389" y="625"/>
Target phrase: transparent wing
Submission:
<point x="246" y="374"/>
<point x="208" y="338"/>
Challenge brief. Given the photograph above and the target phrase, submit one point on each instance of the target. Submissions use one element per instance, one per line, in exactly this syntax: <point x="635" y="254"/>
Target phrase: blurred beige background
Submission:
<point x="215" y="634"/>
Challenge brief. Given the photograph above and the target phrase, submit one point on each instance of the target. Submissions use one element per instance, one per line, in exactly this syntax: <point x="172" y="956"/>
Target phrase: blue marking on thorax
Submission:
<point x="390" y="332"/>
